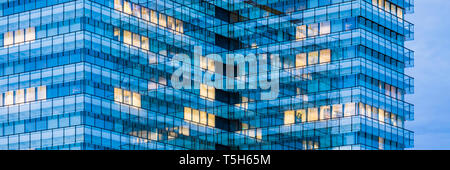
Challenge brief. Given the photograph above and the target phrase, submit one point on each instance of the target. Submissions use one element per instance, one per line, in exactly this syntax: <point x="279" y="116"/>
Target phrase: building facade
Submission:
<point x="85" y="74"/>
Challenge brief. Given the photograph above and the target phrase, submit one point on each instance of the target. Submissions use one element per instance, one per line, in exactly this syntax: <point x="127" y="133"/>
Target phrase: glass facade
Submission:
<point x="84" y="74"/>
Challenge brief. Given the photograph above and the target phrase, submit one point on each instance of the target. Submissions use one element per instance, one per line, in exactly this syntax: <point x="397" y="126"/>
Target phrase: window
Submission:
<point x="30" y="34"/>
<point x="195" y="115"/>
<point x="203" y="62"/>
<point x="203" y="90"/>
<point x="400" y="12"/>
<point x="313" y="57"/>
<point x="136" y="99"/>
<point x="289" y="117"/>
<point x="325" y="28"/>
<point x="300" y="60"/>
<point x="211" y="120"/>
<point x="1" y="99"/>
<point x="9" y="38"/>
<point x="19" y="36"/>
<point x="362" y="110"/>
<point x="42" y="92"/>
<point x="381" y="115"/>
<point x="118" y="5"/>
<point x="300" y="115"/>
<point x="349" y="109"/>
<point x="203" y="118"/>
<point x="20" y="96"/>
<point x="31" y="94"/>
<point x="325" y="56"/>
<point x="368" y="110"/>
<point x="127" y="37"/>
<point x="170" y="22"/>
<point x="337" y="111"/>
<point x="313" y="114"/>
<point x="145" y="43"/>
<point x="117" y="34"/>
<point x="381" y="4"/>
<point x="394" y="119"/>
<point x="9" y="98"/>
<point x="137" y="40"/>
<point x="313" y="29"/>
<point x="211" y="65"/>
<point x="162" y="20"/>
<point x="127" y="7"/>
<point x="179" y="26"/>
<point x="137" y="10"/>
<point x="187" y="113"/>
<point x="325" y="112"/>
<point x="118" y="96"/>
<point x="145" y="14"/>
<point x="154" y="17"/>
<point x="211" y="92"/>
<point x="127" y="97"/>
<point x="300" y="32"/>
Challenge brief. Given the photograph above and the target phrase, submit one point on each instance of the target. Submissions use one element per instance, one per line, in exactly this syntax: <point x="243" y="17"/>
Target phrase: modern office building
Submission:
<point x="99" y="74"/>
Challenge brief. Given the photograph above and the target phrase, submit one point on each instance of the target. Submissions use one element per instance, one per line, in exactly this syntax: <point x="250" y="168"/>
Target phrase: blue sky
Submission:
<point x="431" y="73"/>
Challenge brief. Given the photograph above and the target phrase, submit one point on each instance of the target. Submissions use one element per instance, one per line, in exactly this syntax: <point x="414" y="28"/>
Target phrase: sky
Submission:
<point x="431" y="73"/>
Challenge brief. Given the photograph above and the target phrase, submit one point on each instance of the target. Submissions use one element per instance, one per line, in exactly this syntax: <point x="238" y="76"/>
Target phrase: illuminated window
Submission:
<point x="203" y="118"/>
<point x="381" y="4"/>
<point x="362" y="110"/>
<point x="313" y="114"/>
<point x="153" y="17"/>
<point x="136" y="99"/>
<point x="9" y="38"/>
<point x="393" y="8"/>
<point x="313" y="29"/>
<point x="387" y="6"/>
<point x="325" y="112"/>
<point x="374" y="2"/>
<point x="313" y="57"/>
<point x="300" y="115"/>
<point x="203" y="90"/>
<point x="20" y="96"/>
<point x="195" y="116"/>
<point x="170" y="22"/>
<point x="42" y="92"/>
<point x="349" y="109"/>
<point x="127" y="37"/>
<point x="31" y="94"/>
<point x="325" y="28"/>
<point x="368" y="110"/>
<point x="118" y="5"/>
<point x="211" y="120"/>
<point x="211" y="92"/>
<point x="179" y="26"/>
<point x="162" y="20"/>
<point x="127" y="7"/>
<point x="127" y="97"/>
<point x="30" y="34"/>
<point x="394" y="119"/>
<point x="400" y="12"/>
<point x="117" y="33"/>
<point x="325" y="56"/>
<point x="300" y="32"/>
<point x="203" y="62"/>
<point x="337" y="111"/>
<point x="289" y="117"/>
<point x="9" y="98"/>
<point x="380" y="143"/>
<point x="118" y="96"/>
<point x="137" y="10"/>
<point x="1" y="99"/>
<point x="137" y="40"/>
<point x="145" y="42"/>
<point x="187" y="113"/>
<point x="19" y="36"/>
<point x="145" y="14"/>
<point x="381" y="115"/>
<point x="300" y="60"/>
<point x="211" y="65"/>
